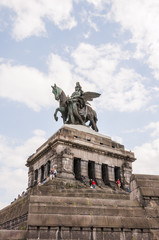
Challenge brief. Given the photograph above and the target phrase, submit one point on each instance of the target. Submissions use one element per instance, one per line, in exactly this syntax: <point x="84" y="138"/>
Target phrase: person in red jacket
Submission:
<point x="93" y="184"/>
<point x="118" y="183"/>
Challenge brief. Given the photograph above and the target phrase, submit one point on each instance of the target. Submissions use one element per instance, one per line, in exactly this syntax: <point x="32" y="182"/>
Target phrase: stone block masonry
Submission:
<point x="66" y="208"/>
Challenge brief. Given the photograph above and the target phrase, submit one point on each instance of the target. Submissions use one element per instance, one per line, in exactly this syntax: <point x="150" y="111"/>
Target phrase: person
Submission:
<point x="39" y="183"/>
<point x="90" y="183"/>
<point x="54" y="172"/>
<point x="93" y="184"/>
<point x="51" y="173"/>
<point x="23" y="193"/>
<point x="118" y="183"/>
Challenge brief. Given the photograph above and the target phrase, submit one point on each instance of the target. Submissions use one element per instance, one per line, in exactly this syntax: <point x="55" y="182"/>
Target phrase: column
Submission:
<point x="98" y="174"/>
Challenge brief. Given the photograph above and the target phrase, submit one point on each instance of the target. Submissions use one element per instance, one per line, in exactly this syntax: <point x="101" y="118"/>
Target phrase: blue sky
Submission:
<point x="109" y="46"/>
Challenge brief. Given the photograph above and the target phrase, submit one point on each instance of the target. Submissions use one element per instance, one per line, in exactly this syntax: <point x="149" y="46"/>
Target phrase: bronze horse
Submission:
<point x="73" y="117"/>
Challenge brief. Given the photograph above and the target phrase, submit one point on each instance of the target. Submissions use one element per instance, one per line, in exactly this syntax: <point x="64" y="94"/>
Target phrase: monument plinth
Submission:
<point x="78" y="151"/>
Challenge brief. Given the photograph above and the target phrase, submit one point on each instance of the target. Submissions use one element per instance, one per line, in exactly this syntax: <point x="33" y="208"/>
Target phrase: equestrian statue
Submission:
<point x="76" y="109"/>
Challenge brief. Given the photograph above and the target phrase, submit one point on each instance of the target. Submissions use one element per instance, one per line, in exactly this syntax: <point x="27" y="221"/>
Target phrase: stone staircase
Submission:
<point x="78" y="209"/>
<point x="65" y="210"/>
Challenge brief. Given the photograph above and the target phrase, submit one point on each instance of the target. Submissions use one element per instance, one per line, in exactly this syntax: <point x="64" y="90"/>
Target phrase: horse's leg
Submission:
<point x="71" y="118"/>
<point x="93" y="119"/>
<point x="93" y="124"/>
<point x="55" y="114"/>
<point x="64" y="113"/>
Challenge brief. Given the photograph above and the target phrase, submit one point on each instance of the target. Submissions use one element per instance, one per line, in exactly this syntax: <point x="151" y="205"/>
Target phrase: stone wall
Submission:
<point x="13" y="235"/>
<point x="145" y="188"/>
<point x="85" y="233"/>
<point x="15" y="215"/>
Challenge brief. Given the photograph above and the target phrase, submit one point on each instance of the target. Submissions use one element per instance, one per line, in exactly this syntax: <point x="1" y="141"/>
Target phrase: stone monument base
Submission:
<point x="66" y="208"/>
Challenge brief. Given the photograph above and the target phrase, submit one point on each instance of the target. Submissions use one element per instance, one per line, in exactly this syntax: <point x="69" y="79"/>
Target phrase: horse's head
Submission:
<point x="56" y="91"/>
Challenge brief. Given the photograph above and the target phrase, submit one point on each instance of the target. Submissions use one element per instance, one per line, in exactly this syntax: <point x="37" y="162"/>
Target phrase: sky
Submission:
<point x="109" y="46"/>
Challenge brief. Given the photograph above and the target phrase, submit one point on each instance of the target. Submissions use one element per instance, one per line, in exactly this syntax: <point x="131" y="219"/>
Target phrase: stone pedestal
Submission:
<point x="91" y="148"/>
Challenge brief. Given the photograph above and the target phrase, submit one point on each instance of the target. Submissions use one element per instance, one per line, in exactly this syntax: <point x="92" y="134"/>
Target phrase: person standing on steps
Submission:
<point x="54" y="172"/>
<point x="93" y="184"/>
<point x="51" y="173"/>
<point x="90" y="183"/>
<point x="118" y="183"/>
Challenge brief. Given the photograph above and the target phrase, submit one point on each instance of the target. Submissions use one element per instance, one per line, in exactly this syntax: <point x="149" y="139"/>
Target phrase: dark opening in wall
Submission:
<point x="91" y="170"/>
<point x="77" y="168"/>
<point x="36" y="176"/>
<point x="117" y="173"/>
<point x="42" y="173"/>
<point x="48" y="168"/>
<point x="105" y="175"/>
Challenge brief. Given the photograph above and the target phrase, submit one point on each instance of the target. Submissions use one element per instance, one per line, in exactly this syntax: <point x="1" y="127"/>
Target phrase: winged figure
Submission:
<point x="76" y="109"/>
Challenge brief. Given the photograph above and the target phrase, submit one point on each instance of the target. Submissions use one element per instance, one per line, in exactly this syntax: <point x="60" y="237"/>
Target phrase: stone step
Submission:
<point x="81" y="206"/>
<point x="58" y="183"/>
<point x="108" y="193"/>
<point x="83" y="201"/>
<point x="148" y="183"/>
<point x="92" y="194"/>
<point x="150" y="192"/>
<point x="85" y="210"/>
<point x="89" y="220"/>
<point x="89" y="190"/>
<point x="145" y="177"/>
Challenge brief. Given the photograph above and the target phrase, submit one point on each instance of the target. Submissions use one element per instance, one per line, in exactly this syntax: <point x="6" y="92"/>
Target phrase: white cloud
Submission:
<point x="147" y="158"/>
<point x="93" y="24"/>
<point x="26" y="85"/>
<point x="152" y="108"/>
<point x="89" y="57"/>
<point x="141" y="18"/>
<point x="13" y="173"/>
<point x="87" y="35"/>
<point x="99" y="4"/>
<point x="60" y="72"/>
<point x="97" y="68"/>
<point x="15" y="156"/>
<point x="121" y="88"/>
<point x="29" y="16"/>
<point x="154" y="127"/>
<point x="147" y="154"/>
<point x="124" y="92"/>
<point x="31" y="87"/>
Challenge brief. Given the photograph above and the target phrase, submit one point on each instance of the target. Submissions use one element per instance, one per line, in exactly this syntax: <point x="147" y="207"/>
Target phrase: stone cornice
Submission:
<point x="52" y="144"/>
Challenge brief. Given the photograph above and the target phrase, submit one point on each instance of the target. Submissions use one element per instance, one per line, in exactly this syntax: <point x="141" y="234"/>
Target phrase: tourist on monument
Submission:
<point x="118" y="183"/>
<point x="54" y="172"/>
<point x="90" y="183"/>
<point x="39" y="183"/>
<point x="51" y="173"/>
<point x="93" y="184"/>
<point x="23" y="193"/>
